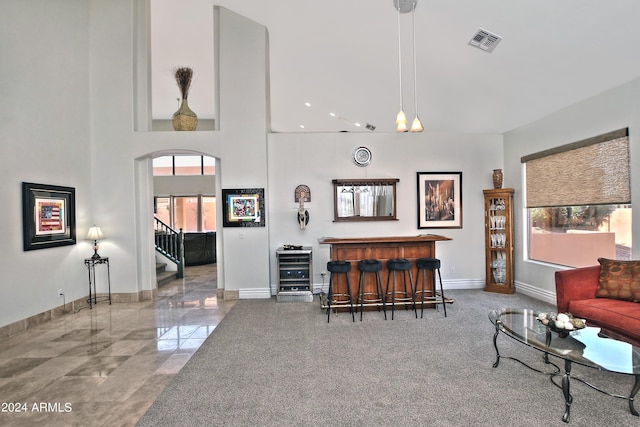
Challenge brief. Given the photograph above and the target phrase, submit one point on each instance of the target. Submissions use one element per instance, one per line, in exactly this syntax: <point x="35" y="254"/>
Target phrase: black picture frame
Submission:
<point x="439" y="199"/>
<point x="243" y="207"/>
<point x="48" y="216"/>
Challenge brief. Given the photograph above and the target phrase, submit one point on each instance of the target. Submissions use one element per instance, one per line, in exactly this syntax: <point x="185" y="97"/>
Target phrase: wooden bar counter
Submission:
<point x="355" y="249"/>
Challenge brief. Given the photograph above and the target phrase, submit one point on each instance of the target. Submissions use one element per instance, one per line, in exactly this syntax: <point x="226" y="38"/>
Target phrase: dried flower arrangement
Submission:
<point x="183" y="79"/>
<point x="184" y="118"/>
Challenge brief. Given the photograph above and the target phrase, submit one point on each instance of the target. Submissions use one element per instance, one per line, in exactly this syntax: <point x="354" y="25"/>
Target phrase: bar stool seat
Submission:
<point x="432" y="265"/>
<point x="370" y="266"/>
<point x="338" y="299"/>
<point x="405" y="295"/>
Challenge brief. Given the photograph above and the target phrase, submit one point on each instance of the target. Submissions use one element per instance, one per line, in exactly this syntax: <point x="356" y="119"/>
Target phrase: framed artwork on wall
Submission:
<point x="243" y="207"/>
<point x="48" y="216"/>
<point x="439" y="199"/>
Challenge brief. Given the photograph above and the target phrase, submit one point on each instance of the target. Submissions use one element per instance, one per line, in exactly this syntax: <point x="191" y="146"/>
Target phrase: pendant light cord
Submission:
<point x="415" y="68"/>
<point x="400" y="59"/>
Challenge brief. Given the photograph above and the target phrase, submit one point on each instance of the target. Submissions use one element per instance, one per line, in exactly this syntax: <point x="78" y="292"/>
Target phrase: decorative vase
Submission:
<point x="497" y="178"/>
<point x="184" y="118"/>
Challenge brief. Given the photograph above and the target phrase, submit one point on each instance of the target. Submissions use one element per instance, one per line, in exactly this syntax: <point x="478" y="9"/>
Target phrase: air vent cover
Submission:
<point x="485" y="40"/>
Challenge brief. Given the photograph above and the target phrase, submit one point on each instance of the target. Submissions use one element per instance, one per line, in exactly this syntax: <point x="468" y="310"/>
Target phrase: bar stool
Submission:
<point x="337" y="267"/>
<point x="431" y="264"/>
<point x="400" y="265"/>
<point x="371" y="266"/>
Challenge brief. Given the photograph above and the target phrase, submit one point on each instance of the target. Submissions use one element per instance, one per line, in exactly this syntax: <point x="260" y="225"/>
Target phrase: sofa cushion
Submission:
<point x="619" y="280"/>
<point x="623" y="317"/>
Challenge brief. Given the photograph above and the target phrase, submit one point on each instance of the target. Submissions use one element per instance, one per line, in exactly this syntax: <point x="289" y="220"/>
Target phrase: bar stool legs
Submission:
<point x="336" y="267"/>
<point x="404" y="266"/>
<point x="431" y="264"/>
<point x="370" y="266"/>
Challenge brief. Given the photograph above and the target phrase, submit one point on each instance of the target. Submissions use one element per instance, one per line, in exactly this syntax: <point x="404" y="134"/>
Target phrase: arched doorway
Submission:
<point x="187" y="194"/>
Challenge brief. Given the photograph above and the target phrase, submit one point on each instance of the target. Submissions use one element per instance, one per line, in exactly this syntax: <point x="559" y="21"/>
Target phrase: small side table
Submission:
<point x="91" y="263"/>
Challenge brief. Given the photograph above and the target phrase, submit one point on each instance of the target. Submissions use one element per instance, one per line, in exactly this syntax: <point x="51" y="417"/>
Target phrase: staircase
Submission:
<point x="163" y="276"/>
<point x="170" y="244"/>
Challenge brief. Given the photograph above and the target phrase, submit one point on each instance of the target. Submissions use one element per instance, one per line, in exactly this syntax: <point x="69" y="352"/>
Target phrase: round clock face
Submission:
<point x="362" y="156"/>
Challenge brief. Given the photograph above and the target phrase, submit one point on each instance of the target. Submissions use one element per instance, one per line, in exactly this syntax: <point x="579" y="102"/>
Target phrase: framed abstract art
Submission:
<point x="243" y="207"/>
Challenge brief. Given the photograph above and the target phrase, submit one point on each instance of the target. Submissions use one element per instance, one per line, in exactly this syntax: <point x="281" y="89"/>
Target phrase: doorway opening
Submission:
<point x="184" y="201"/>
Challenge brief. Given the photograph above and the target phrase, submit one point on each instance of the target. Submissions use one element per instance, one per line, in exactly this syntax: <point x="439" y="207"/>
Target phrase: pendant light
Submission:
<point x="416" y="125"/>
<point x="401" y="118"/>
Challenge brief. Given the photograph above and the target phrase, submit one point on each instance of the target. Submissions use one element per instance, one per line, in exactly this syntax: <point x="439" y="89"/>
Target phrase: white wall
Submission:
<point x="316" y="159"/>
<point x="615" y="109"/>
<point x="68" y="119"/>
<point x="239" y="146"/>
<point x="44" y="138"/>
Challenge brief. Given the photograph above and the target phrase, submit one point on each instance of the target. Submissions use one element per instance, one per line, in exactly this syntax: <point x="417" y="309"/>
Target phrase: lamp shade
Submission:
<point x="95" y="233"/>
<point x="416" y="126"/>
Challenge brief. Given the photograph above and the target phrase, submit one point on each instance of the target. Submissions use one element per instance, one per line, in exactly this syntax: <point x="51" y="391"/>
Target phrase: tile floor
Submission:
<point x="106" y="366"/>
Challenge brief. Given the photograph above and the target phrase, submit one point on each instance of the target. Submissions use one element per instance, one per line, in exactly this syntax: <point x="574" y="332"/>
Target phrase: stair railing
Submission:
<point x="170" y="243"/>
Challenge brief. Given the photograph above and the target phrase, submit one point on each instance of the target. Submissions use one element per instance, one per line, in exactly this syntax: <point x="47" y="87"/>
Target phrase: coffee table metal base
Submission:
<point x="565" y="384"/>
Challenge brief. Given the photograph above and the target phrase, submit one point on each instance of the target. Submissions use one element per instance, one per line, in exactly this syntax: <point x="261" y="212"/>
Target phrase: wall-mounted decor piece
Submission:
<point x="48" y="216"/>
<point x="302" y="191"/>
<point x="302" y="194"/>
<point x="362" y="156"/>
<point x="368" y="199"/>
<point x="243" y="207"/>
<point x="439" y="199"/>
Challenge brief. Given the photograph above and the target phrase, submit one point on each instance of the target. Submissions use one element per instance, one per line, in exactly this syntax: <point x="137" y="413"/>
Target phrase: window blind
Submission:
<point x="589" y="172"/>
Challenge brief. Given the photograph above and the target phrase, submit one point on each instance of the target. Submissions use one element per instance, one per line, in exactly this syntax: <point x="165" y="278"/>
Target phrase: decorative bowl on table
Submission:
<point x="562" y="323"/>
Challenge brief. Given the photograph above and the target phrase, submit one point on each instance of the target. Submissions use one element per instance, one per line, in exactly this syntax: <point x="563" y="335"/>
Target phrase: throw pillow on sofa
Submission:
<point x="619" y="280"/>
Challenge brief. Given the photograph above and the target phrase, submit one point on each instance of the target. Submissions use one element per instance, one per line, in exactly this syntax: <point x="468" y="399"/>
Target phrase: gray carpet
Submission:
<point x="281" y="364"/>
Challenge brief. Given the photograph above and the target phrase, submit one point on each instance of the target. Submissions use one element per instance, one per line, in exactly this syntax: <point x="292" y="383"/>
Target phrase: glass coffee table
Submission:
<point x="587" y="347"/>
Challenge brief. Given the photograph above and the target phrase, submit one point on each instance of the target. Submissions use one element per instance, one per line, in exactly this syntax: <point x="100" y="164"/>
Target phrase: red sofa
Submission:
<point x="576" y="294"/>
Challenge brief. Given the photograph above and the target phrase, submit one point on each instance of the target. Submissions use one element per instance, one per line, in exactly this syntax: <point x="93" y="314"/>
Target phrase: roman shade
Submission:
<point x="594" y="171"/>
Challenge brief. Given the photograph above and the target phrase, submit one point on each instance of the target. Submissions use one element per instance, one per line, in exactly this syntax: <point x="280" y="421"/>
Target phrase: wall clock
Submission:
<point x="362" y="156"/>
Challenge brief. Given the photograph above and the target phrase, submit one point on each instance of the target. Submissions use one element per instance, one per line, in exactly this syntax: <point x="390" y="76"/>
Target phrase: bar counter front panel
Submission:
<point x="382" y="249"/>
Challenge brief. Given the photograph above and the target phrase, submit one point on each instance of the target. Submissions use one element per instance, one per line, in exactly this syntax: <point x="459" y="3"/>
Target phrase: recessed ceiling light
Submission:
<point x="332" y="114"/>
<point x="301" y="126"/>
<point x="308" y="104"/>
<point x="357" y="124"/>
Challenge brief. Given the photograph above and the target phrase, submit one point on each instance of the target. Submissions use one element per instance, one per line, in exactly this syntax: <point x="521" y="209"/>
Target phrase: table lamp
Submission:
<point x="95" y="234"/>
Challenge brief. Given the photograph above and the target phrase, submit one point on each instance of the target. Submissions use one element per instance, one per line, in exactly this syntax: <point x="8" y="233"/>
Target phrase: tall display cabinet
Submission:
<point x="498" y="225"/>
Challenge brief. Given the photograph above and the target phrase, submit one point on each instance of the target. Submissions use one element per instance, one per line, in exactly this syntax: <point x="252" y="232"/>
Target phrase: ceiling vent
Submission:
<point x="485" y="40"/>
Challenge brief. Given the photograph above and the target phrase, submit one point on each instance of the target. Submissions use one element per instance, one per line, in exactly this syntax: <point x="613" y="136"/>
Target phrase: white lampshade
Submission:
<point x="95" y="233"/>
<point x="401" y="121"/>
<point x="416" y="126"/>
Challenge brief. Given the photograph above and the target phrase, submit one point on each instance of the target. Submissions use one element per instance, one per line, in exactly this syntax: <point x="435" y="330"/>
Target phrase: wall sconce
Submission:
<point x="302" y="194"/>
<point x="95" y="234"/>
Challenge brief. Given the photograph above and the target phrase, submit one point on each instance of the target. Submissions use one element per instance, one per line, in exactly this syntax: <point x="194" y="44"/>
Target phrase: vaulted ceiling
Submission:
<point x="341" y="57"/>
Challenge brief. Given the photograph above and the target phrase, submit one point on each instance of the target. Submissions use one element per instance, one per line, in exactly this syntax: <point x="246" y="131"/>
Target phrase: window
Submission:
<point x="189" y="213"/>
<point x="578" y="201"/>
<point x="184" y="165"/>
<point x="163" y="166"/>
<point x="187" y="165"/>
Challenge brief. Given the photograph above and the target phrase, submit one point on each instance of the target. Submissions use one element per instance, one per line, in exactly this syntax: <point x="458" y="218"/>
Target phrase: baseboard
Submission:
<point x="463" y="284"/>
<point x="43" y="317"/>
<point x="253" y="293"/>
<point x="524" y="288"/>
<point x="537" y="293"/>
<point x="71" y="307"/>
